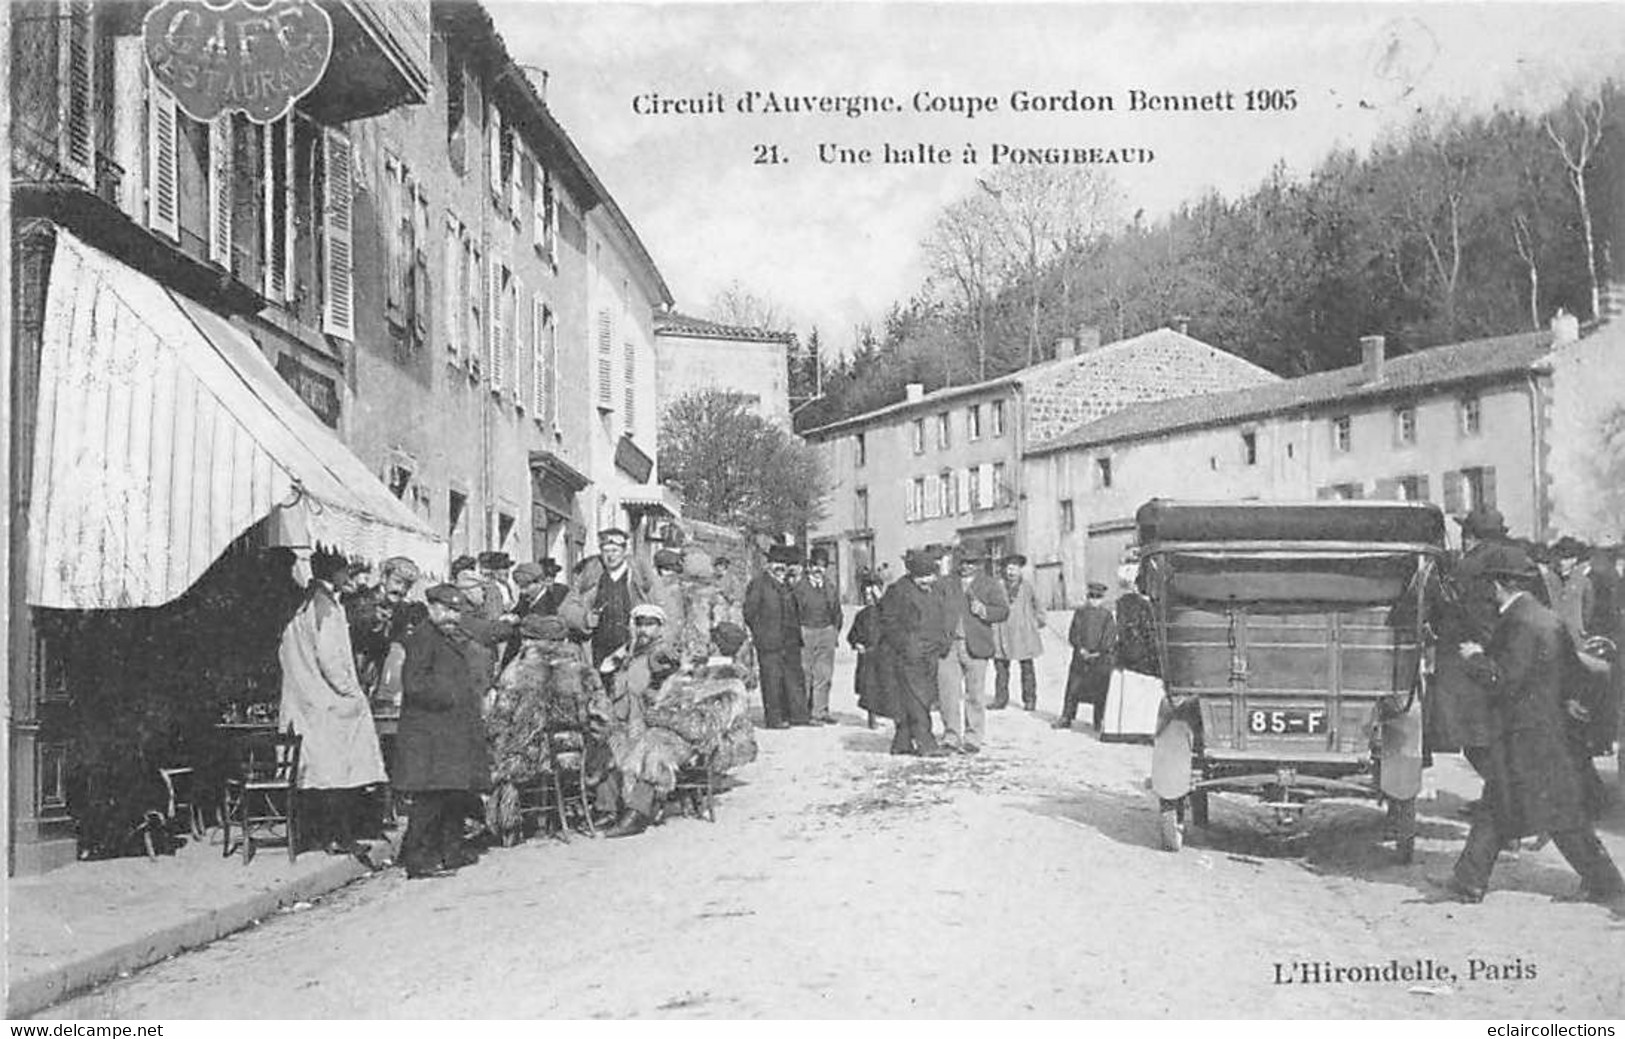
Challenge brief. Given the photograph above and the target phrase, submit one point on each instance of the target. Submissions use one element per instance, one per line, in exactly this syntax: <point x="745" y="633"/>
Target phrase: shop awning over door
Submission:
<point x="163" y="435"/>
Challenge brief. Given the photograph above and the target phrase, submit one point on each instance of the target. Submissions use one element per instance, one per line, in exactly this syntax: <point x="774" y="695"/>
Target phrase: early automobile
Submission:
<point x="1292" y="641"/>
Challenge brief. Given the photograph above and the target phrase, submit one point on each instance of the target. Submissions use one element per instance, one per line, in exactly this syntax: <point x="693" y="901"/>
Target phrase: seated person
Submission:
<point x="639" y="667"/>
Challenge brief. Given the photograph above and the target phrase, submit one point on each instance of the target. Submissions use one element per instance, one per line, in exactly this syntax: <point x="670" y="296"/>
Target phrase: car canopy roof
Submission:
<point x="1374" y="526"/>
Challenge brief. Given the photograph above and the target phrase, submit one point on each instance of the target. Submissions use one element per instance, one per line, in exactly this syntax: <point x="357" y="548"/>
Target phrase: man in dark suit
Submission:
<point x="1093" y="636"/>
<point x="913" y="639"/>
<point x="775" y="629"/>
<point x="972" y="602"/>
<point x="440" y="751"/>
<point x="1531" y="785"/>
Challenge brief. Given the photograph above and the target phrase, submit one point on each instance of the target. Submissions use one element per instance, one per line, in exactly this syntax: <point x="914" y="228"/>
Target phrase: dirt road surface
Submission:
<point x="839" y="881"/>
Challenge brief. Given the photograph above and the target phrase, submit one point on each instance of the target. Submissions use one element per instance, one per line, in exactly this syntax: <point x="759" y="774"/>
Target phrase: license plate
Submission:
<point x="1285" y="722"/>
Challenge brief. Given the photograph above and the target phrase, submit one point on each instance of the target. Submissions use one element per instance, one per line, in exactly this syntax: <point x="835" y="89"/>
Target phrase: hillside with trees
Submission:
<point x="1458" y="226"/>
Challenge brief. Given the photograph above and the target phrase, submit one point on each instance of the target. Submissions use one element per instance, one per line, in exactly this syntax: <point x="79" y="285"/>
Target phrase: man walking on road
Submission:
<point x="1019" y="637"/>
<point x="819" y="608"/>
<point x="913" y="639"/>
<point x="972" y="602"/>
<point x="1531" y="785"/>
<point x="775" y="630"/>
<point x="1093" y="636"/>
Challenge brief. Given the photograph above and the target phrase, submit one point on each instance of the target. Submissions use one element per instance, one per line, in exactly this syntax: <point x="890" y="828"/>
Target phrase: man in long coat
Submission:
<point x="1457" y="712"/>
<point x="972" y="602"/>
<point x="1531" y="785"/>
<point x="441" y="753"/>
<point x="913" y="638"/>
<point x="870" y="679"/>
<point x="1093" y="637"/>
<point x="775" y="630"/>
<point x="322" y="701"/>
<point x="1019" y="637"/>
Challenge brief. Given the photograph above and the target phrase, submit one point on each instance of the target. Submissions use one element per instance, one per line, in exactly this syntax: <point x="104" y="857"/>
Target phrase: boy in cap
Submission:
<point x="1093" y="637"/>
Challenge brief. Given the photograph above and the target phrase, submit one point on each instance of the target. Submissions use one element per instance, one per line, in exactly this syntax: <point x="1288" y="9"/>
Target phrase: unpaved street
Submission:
<point x="841" y="881"/>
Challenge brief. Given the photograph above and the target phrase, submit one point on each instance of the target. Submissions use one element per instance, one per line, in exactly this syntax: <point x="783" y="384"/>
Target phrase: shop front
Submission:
<point x="174" y="476"/>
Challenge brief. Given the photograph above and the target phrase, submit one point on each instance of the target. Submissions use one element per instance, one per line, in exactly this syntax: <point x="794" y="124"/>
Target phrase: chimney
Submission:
<point x="1372" y="357"/>
<point x="1565" y="328"/>
<point x="1065" y="346"/>
<point x="1088" y="338"/>
<point x="914" y="391"/>
<point x="1181" y="323"/>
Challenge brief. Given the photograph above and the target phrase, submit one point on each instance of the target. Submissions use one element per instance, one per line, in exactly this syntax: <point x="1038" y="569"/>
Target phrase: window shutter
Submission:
<point x="338" y="311"/>
<point x="1388" y="490"/>
<point x="516" y="181"/>
<point x="606" y="389"/>
<point x="220" y="196"/>
<point x="538" y="361"/>
<point x="163" y="202"/>
<point x="389" y="218"/>
<point x="515" y="363"/>
<point x="962" y="491"/>
<point x="629" y="383"/>
<point x="474" y="292"/>
<point x="550" y="206"/>
<point x="1422" y="491"/>
<point x="1453" y="497"/>
<point x="494" y="151"/>
<point x="494" y="355"/>
<point x="984" y="480"/>
<point x="453" y="302"/>
<point x="539" y="199"/>
<point x="77" y="76"/>
<point x="908" y="501"/>
<point x="278" y="192"/>
<point x="552" y="375"/>
<point x="1488" y="483"/>
<point x="420" y="294"/>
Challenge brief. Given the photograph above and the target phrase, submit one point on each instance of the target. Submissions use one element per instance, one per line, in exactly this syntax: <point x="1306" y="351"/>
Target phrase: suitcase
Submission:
<point x="1132" y="702"/>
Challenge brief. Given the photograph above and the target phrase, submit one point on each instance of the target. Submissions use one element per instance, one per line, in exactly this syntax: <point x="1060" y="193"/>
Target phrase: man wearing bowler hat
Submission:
<point x="1531" y="785"/>
<point x="819" y="608"/>
<point x="775" y="629"/>
<point x="1458" y="712"/>
<point x="972" y="602"/>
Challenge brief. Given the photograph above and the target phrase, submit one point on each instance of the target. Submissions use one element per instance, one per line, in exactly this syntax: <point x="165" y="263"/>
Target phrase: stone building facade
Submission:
<point x="696" y="354"/>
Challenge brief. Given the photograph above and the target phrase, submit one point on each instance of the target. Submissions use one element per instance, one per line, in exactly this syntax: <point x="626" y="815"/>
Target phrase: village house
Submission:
<point x="945" y="467"/>
<point x="696" y="354"/>
<point x="406" y="318"/>
<point x="1462" y="425"/>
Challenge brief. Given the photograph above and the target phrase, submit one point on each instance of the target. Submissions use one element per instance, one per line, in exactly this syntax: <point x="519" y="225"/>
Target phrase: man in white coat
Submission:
<point x="322" y="701"/>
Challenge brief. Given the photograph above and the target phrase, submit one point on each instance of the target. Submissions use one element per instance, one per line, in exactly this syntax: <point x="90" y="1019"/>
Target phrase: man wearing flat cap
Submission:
<point x="913" y="639"/>
<point x="440" y="750"/>
<point x="972" y="602"/>
<point x="775" y="629"/>
<point x="1018" y="638"/>
<point x="1531" y="784"/>
<point x="818" y="606"/>
<point x="1093" y="637"/>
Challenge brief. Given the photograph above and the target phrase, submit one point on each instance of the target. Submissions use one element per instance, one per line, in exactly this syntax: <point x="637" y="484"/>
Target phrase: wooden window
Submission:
<point x="497" y="355"/>
<point x="860" y="449"/>
<point x="455" y="281"/>
<point x="1342" y="434"/>
<point x="1249" y="448"/>
<point x="493" y="141"/>
<point x="973" y="422"/>
<point x="1471" y="413"/>
<point x="917" y="498"/>
<point x="1480" y="482"/>
<point x="944" y="437"/>
<point x="1001" y="490"/>
<point x="544" y="362"/>
<point x="456" y="111"/>
<point x="945" y="493"/>
<point x="997" y="408"/>
<point x="1405" y="426"/>
<point x="279" y="217"/>
<point x="1069" y="519"/>
<point x="1103" y="472"/>
<point x="77" y="67"/>
<point x="629" y="387"/>
<point x="514" y="347"/>
<point x="163" y="163"/>
<point x="474" y="293"/>
<point x="917" y="431"/>
<point x="606" y="361"/>
<point x="861" y="510"/>
<point x="220" y="185"/>
<point x="338" y="301"/>
<point x="1413" y="488"/>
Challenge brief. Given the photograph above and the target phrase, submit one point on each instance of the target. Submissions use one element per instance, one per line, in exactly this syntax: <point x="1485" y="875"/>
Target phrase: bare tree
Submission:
<point x="738" y="305"/>
<point x="1045" y="212"/>
<point x="961" y="252"/>
<point x="1576" y="128"/>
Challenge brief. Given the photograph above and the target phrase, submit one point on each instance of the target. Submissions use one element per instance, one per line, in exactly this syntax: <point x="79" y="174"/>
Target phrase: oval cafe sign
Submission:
<point x="238" y="56"/>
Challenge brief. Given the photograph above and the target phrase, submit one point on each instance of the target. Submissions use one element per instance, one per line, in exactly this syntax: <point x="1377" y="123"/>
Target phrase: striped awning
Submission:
<point x="163" y="435"/>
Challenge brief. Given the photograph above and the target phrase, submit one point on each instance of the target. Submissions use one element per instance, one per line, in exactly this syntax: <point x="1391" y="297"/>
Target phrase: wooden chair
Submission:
<point x="180" y="786"/>
<point x="562" y="797"/>
<point x="697" y="786"/>
<point x="262" y="798"/>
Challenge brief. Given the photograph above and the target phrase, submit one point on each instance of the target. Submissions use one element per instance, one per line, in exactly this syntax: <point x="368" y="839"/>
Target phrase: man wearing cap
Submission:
<point x="323" y="702"/>
<point x="972" y="602"/>
<point x="1093" y="637"/>
<point x="775" y="630"/>
<point x="641" y="666"/>
<point x="599" y="604"/>
<point x="1531" y="785"/>
<point x="1019" y="637"/>
<point x="441" y="754"/>
<point x="819" y="607"/>
<point x="913" y="639"/>
<point x="1575" y="598"/>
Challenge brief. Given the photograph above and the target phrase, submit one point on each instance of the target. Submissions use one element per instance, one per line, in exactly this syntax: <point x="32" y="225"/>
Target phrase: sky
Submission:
<point x="835" y="243"/>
